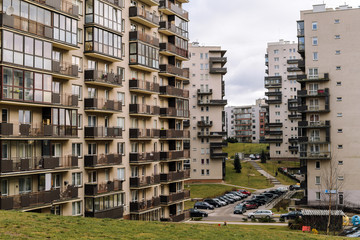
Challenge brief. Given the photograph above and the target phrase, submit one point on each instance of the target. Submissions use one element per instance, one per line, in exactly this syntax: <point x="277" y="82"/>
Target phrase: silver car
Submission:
<point x="261" y="214"/>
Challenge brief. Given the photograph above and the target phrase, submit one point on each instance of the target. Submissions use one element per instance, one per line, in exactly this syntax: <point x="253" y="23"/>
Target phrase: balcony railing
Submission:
<point x="312" y="124"/>
<point x="143" y="86"/>
<point x="145" y="181"/>
<point x="205" y="123"/>
<point x="315" y="155"/>
<point x="102" y="105"/>
<point x="102" y="78"/>
<point x="218" y="155"/>
<point x="65" y="68"/>
<point x="136" y="133"/>
<point x="166" y="4"/>
<point x="68" y="100"/>
<point x="172" y="70"/>
<point x="174" y="176"/>
<point x="315" y="78"/>
<point x="144" y="205"/>
<point x="61" y="5"/>
<point x="169" y="47"/>
<point x="174" y="133"/>
<point x="101" y="160"/>
<point x="92" y="189"/>
<point x="139" y="36"/>
<point x="218" y="70"/>
<point x="174" y="112"/>
<point x="144" y="17"/>
<point x="218" y="102"/>
<point x="103" y="132"/>
<point x="173" y="91"/>
<point x="37" y="130"/>
<point x="174" y="197"/>
<point x="273" y="82"/>
<point x="211" y="134"/>
<point x="170" y="29"/>
<point x="144" y="157"/>
<point x="204" y="91"/>
<point x="114" y="212"/>
<point x="174" y="155"/>
<point x="144" y="109"/>
<point x="218" y="144"/>
<point x="17" y="164"/>
<point x="118" y="3"/>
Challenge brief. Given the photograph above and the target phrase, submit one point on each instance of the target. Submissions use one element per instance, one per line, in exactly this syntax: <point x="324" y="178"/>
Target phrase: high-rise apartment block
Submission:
<point x="94" y="108"/>
<point x="247" y="123"/>
<point x="329" y="44"/>
<point x="284" y="64"/>
<point x="207" y="121"/>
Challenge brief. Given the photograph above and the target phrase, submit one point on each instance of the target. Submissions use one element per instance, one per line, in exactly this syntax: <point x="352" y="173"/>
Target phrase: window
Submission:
<point x="338" y="67"/>
<point x="202" y="172"/>
<point x="313" y="73"/>
<point x="77" y="179"/>
<point x="77" y="90"/>
<point x="80" y="35"/>
<point x="337" y="52"/>
<point x="339" y="99"/>
<point x="336" y="21"/>
<point x="201" y="55"/>
<point x="337" y="36"/>
<point x="77" y="149"/>
<point x="340" y="130"/>
<point x="341" y="178"/>
<point x="276" y="51"/>
<point x="314" y="26"/>
<point x="317" y="196"/>
<point x="340" y="146"/>
<point x="121" y="174"/>
<point x="80" y="121"/>
<point x="65" y="29"/>
<point x="121" y="97"/>
<point x="317" y="180"/>
<point x="314" y="41"/>
<point x="278" y="152"/>
<point x="317" y="165"/>
<point x="276" y="59"/>
<point x="25" y="184"/>
<point x="339" y="115"/>
<point x="315" y="56"/>
<point x="276" y="66"/>
<point x="121" y="123"/>
<point x="4" y="187"/>
<point x="107" y="43"/>
<point x="144" y="55"/>
<point x="121" y="148"/>
<point x="340" y="163"/>
<point x="76" y="208"/>
<point x="207" y="172"/>
<point x="77" y="61"/>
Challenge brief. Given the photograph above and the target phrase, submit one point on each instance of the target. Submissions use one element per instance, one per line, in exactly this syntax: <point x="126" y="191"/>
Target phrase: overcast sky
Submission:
<point x="244" y="28"/>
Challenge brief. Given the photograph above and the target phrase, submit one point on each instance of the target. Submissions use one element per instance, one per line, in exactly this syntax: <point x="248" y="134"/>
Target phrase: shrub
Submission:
<point x="253" y="220"/>
<point x="197" y="218"/>
<point x="245" y="219"/>
<point x="282" y="219"/>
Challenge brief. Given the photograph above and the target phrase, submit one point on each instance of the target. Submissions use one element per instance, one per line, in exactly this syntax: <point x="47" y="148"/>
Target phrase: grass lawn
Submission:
<point x="258" y="181"/>
<point x="246" y="148"/>
<point x="17" y="225"/>
<point x="272" y="166"/>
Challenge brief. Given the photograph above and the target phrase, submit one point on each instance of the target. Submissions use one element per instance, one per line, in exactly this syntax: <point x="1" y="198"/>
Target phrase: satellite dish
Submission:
<point x="10" y="10"/>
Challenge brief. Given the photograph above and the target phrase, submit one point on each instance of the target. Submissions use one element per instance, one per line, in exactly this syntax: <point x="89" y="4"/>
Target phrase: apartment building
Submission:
<point x="247" y="123"/>
<point x="328" y="137"/>
<point x="207" y="121"/>
<point x="93" y="105"/>
<point x="284" y="67"/>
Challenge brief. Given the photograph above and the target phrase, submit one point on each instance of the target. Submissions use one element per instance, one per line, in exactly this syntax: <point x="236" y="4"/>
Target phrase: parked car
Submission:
<point x="212" y="202"/>
<point x="233" y="196"/>
<point x="270" y="195"/>
<point x="197" y="213"/>
<point x="294" y="187"/>
<point x="222" y="203"/>
<point x="252" y="157"/>
<point x="240" y="209"/>
<point x="262" y="197"/>
<point x="242" y="196"/>
<point x="291" y="215"/>
<point x="203" y="205"/>
<point x="251" y="205"/>
<point x="282" y="189"/>
<point x="261" y="214"/>
<point x="227" y="201"/>
<point x="243" y="191"/>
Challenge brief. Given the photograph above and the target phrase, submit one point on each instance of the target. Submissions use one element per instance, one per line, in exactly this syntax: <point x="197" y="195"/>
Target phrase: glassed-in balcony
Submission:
<point x="172" y="112"/>
<point x="170" y="29"/>
<point x="93" y="189"/>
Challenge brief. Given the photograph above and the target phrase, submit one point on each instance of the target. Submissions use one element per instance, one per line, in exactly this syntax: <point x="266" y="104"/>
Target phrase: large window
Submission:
<point x="26" y="51"/>
<point x="144" y="55"/>
<point x="65" y="29"/>
<point x="103" y="42"/>
<point x="181" y="27"/>
<point x="76" y="208"/>
<point x="104" y="203"/>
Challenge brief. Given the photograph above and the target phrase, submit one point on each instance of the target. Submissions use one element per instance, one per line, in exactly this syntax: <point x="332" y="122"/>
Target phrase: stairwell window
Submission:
<point x="317" y="196"/>
<point x="317" y="180"/>
<point x="315" y="56"/>
<point x="314" y="41"/>
<point x="314" y="26"/>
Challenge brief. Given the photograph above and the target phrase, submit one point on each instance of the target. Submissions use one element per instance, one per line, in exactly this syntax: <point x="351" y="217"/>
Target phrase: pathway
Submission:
<point x="264" y="173"/>
<point x="239" y="223"/>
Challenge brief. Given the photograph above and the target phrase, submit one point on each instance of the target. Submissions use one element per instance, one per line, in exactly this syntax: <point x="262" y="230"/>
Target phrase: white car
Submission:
<point x="261" y="214"/>
<point x="282" y="189"/>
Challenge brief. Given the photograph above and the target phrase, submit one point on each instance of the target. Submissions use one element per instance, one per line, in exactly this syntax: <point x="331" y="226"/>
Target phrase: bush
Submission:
<point x="253" y="220"/>
<point x="282" y="220"/>
<point x="245" y="219"/>
<point x="197" y="218"/>
<point x="265" y="220"/>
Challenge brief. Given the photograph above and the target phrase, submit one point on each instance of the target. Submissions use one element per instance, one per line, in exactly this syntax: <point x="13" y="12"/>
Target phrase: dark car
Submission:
<point x="294" y="187"/>
<point x="242" y="196"/>
<point x="240" y="209"/>
<point x="231" y="200"/>
<point x="262" y="197"/>
<point x="269" y="195"/>
<point x="197" y="213"/>
<point x="291" y="215"/>
<point x="203" y="205"/>
<point x="212" y="202"/>
<point x="224" y="200"/>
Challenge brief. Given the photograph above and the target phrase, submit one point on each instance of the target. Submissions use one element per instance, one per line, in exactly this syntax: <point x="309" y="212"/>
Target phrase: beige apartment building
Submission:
<point x="93" y="108"/>
<point x="328" y="136"/>
<point x="284" y="65"/>
<point x="207" y="120"/>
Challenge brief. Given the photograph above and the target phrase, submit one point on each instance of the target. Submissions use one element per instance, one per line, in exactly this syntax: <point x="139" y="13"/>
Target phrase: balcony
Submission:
<point x="170" y="29"/>
<point x="298" y="77"/>
<point x="321" y="155"/>
<point x="295" y="116"/>
<point x="170" y="92"/>
<point x="186" y="123"/>
<point x="143" y="110"/>
<point x="294" y="148"/>
<point x="143" y="17"/>
<point x="61" y="5"/>
<point x="144" y="158"/>
<point x="204" y="92"/>
<point x="221" y="60"/>
<point x="169" y="70"/>
<point x="101" y="78"/>
<point x="37" y="131"/>
<point x="211" y="134"/>
<point x="314" y="109"/>
<point x="174" y="176"/>
<point x="136" y="207"/>
<point x="38" y="199"/>
<point x="317" y="124"/>
<point x="174" y="134"/>
<point x="174" y="197"/>
<point x="145" y="181"/>
<point x="293" y="140"/>
<point x="169" y="49"/>
<point x="273" y="82"/>
<point x="218" y="102"/>
<point x="102" y="105"/>
<point x="214" y="145"/>
<point x="218" y="155"/>
<point x="16" y="165"/>
<point x="151" y="2"/>
<point x="143" y="134"/>
<point x="94" y="189"/>
<point x="139" y="36"/>
<point x="275" y="124"/>
<point x="273" y="139"/>
<point x="102" y="133"/>
<point x="64" y="70"/>
<point x="218" y="70"/>
<point x="314" y="93"/>
<point x="173" y="113"/>
<point x="273" y="132"/>
<point x="315" y="78"/>
<point x="174" y="155"/>
<point x="170" y="8"/>
<point x="273" y="94"/>
<point x="273" y="101"/>
<point x="141" y="86"/>
<point x="205" y="123"/>
<point x="102" y="160"/>
<point x="114" y="212"/>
